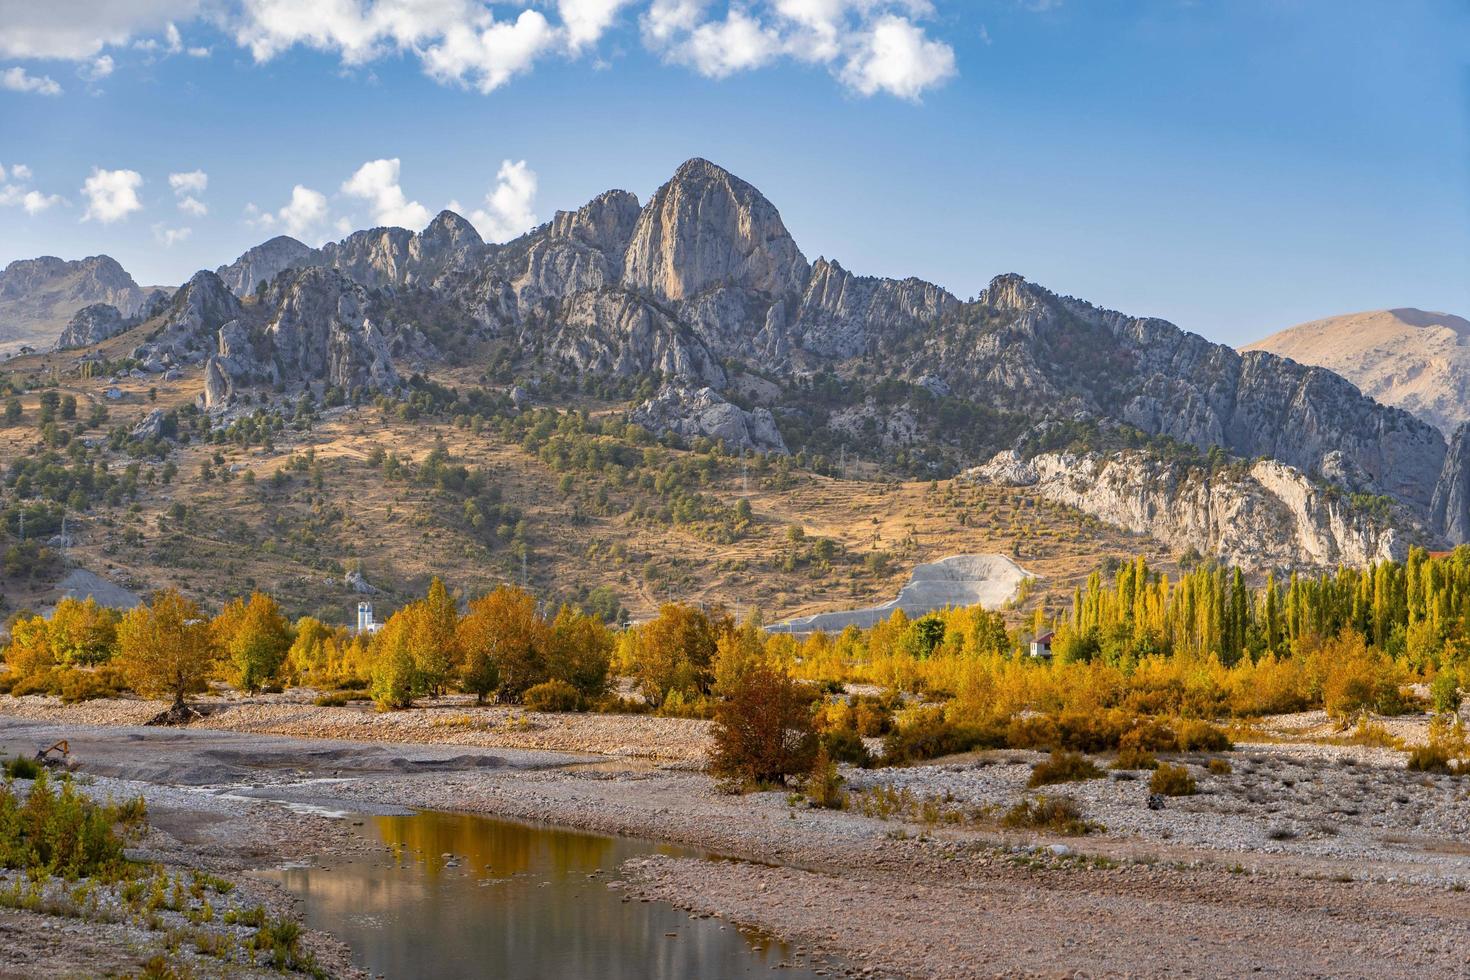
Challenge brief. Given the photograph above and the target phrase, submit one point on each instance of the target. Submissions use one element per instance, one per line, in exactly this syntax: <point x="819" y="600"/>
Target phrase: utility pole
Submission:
<point x="744" y="474"/>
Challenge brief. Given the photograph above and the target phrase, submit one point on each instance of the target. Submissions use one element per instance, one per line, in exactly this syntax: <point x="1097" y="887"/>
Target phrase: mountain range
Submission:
<point x="701" y="301"/>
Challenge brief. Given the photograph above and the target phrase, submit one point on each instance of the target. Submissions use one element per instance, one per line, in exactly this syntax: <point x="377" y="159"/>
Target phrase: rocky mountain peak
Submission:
<point x="449" y="231"/>
<point x="606" y="222"/>
<point x="707" y="228"/>
<point x="264" y="262"/>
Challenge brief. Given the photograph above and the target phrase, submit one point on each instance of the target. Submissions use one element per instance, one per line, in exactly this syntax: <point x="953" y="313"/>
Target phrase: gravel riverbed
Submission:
<point x="1304" y="859"/>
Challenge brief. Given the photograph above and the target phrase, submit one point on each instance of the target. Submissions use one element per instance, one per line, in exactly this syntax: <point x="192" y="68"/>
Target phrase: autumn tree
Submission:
<point x="29" y="651"/>
<point x="434" y="637"/>
<point x="166" y="648"/>
<point x="763" y="727"/>
<point x="579" y="652"/>
<point x="394" y="679"/>
<point x="83" y="633"/>
<point x="674" y="651"/>
<point x="254" y="636"/>
<point x="503" y="640"/>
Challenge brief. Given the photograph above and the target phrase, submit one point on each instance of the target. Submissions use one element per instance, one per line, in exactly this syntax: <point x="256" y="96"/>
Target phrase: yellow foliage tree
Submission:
<point x="166" y="648"/>
<point x="255" y="637"/>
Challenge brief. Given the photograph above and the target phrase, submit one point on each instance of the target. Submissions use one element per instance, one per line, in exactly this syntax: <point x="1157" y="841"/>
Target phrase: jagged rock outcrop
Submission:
<point x="1019" y="346"/>
<point x="92" y="325"/>
<point x="840" y="313"/>
<point x="150" y="426"/>
<point x="185" y="331"/>
<point x="616" y="332"/>
<point x="580" y="250"/>
<point x="1267" y="515"/>
<point x="314" y="328"/>
<point x="708" y="229"/>
<point x="39" y="296"/>
<point x="694" y="412"/>
<point x="264" y="262"/>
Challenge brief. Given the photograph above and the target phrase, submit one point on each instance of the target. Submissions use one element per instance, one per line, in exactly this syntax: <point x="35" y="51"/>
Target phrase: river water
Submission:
<point x="455" y="895"/>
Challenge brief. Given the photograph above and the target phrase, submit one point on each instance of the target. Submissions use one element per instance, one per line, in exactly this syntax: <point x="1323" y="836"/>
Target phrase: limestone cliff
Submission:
<point x="1267" y="515"/>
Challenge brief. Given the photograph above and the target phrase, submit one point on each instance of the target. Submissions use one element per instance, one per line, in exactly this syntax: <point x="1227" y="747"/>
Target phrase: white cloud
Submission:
<point x="666" y="19"/>
<point x="168" y="237"/>
<point x="189" y="182"/>
<point x="185" y="186"/>
<point x="39" y="29"/>
<point x="871" y="46"/>
<point x="98" y="69"/>
<point x="586" y="20"/>
<point x="111" y="194"/>
<point x="377" y="183"/>
<point x="896" y="57"/>
<point x="721" y="48"/>
<point x="488" y="57"/>
<point x="17" y="195"/>
<point x="507" y="212"/>
<point x="34" y="202"/>
<point x="17" y="79"/>
<point x="302" y="217"/>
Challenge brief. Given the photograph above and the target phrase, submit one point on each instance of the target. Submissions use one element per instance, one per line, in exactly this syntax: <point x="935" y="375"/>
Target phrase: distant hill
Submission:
<point x="38" y="297"/>
<point x="1408" y="358"/>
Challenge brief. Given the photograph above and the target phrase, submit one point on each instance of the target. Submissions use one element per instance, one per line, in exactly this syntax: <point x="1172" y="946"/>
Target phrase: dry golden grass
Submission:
<point x="401" y="534"/>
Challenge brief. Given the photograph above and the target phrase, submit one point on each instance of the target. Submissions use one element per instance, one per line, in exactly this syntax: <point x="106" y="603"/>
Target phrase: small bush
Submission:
<point x="926" y="734"/>
<point x="332" y="699"/>
<point x="1432" y="757"/>
<point x="1133" y="757"/>
<point x="22" y="767"/>
<point x="616" y="704"/>
<point x="824" y="787"/>
<point x="87" y="685"/>
<point x="846" y="745"/>
<point x="1444" y="692"/>
<point x="1059" y="814"/>
<point x="1219" y="767"/>
<point x="553" y="695"/>
<point x="1169" y="780"/>
<point x="1063" y="767"/>
<point x="1193" y="735"/>
<point x="63" y="833"/>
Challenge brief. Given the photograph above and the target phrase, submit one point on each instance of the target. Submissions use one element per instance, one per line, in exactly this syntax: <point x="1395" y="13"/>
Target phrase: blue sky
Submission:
<point x="1235" y="167"/>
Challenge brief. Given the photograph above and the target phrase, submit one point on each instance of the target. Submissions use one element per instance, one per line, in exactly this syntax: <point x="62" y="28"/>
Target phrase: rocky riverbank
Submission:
<point x="1348" y="863"/>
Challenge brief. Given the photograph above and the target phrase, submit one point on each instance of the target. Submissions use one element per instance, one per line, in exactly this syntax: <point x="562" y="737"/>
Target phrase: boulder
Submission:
<point x="692" y="413"/>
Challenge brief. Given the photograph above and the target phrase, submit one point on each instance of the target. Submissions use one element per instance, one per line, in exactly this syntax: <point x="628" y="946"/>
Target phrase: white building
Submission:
<point x="365" y="621"/>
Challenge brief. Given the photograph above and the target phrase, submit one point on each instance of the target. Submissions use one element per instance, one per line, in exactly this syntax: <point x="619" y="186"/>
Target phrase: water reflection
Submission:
<point x="453" y="895"/>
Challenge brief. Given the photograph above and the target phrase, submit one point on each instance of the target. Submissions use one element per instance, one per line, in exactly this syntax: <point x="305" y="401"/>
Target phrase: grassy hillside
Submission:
<point x="563" y="496"/>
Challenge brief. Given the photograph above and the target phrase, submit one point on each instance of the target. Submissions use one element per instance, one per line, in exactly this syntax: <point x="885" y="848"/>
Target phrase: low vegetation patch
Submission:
<point x="1063" y="767"/>
<point x="1172" y="780"/>
<point x="1057" y="814"/>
